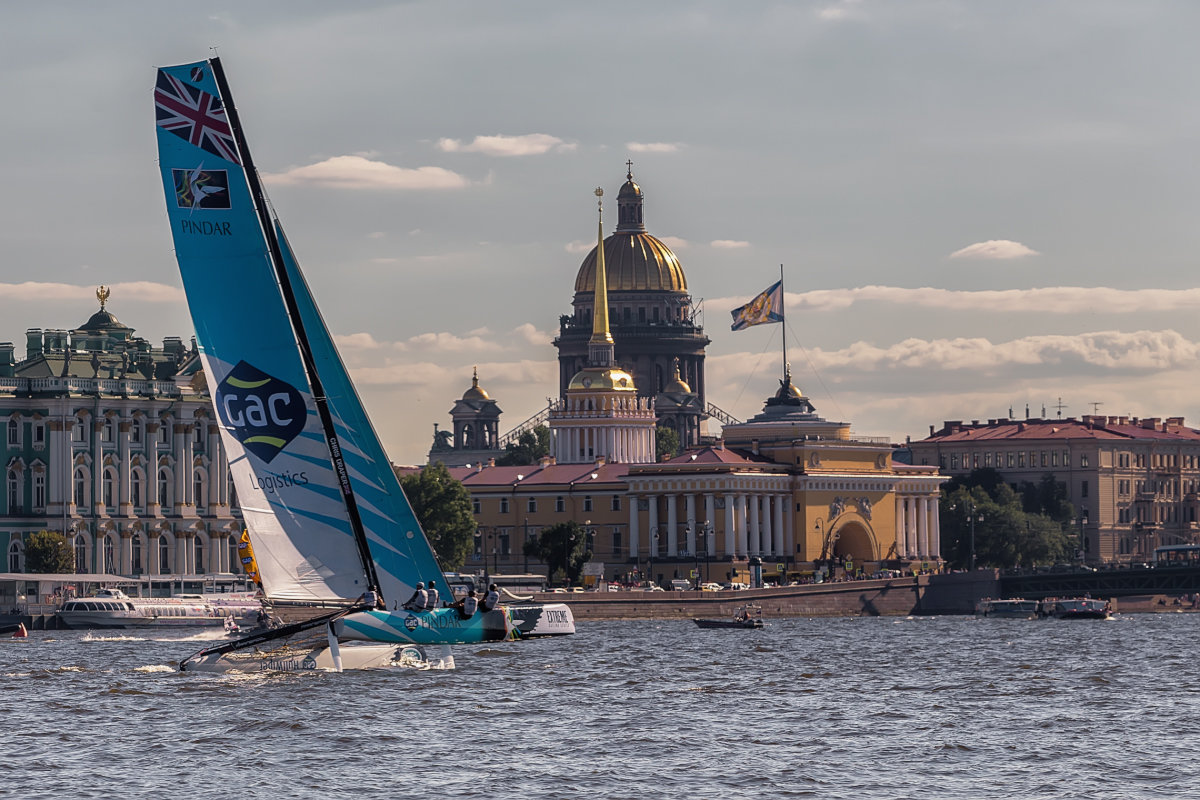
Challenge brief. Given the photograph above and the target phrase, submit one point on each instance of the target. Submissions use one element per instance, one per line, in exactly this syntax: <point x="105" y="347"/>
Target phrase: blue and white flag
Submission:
<point x="767" y="307"/>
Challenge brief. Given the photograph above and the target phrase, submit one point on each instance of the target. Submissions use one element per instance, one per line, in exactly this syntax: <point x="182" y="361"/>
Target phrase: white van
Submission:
<point x="681" y="585"/>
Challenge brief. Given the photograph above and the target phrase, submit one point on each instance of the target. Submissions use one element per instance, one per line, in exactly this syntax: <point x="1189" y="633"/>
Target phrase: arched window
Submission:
<point x="14" y="492"/>
<point x="14" y="433"/>
<point x="78" y="432"/>
<point x="16" y="556"/>
<point x="165" y="497"/>
<point x="109" y="432"/>
<point x="111" y="565"/>
<point x="199" y="496"/>
<point x="81" y="560"/>
<point x="135" y="488"/>
<point x="39" y="490"/>
<point x="136" y="560"/>
<point x="135" y="430"/>
<point x="164" y="555"/>
<point x="108" y="484"/>
<point x="164" y="431"/>
<point x="198" y="554"/>
<point x="81" y="487"/>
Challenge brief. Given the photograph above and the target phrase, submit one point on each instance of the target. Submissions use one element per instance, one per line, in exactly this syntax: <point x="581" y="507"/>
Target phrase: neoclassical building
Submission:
<point x="112" y="442"/>
<point x="657" y="337"/>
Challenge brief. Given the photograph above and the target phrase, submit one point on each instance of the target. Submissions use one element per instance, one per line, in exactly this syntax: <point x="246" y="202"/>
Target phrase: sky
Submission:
<point x="978" y="207"/>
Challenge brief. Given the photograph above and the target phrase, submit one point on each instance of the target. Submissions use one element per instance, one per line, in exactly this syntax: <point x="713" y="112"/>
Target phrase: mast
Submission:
<point x="306" y="355"/>
<point x="783" y="313"/>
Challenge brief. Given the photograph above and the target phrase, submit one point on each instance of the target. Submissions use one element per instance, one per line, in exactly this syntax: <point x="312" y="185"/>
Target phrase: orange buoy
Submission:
<point x="20" y="632"/>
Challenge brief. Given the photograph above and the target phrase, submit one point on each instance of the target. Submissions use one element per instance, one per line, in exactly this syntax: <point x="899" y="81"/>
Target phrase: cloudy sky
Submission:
<point x="979" y="206"/>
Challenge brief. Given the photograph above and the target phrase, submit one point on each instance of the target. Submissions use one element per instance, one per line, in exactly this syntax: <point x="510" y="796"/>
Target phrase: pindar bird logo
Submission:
<point x="200" y="188"/>
<point x="264" y="413"/>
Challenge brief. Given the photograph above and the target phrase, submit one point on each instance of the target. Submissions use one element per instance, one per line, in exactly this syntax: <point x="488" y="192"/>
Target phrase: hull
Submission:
<point x="1078" y="608"/>
<point x="1007" y="609"/>
<point x="321" y="658"/>
<point x="545" y="619"/>
<point x="728" y="623"/>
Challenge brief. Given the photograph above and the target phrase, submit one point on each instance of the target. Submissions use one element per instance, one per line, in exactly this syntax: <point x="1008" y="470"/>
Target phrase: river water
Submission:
<point x="944" y="707"/>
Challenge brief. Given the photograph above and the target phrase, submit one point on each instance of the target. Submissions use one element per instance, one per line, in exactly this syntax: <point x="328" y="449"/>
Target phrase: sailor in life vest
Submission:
<point x="467" y="606"/>
<point x="431" y="597"/>
<point x="417" y="601"/>
<point x="491" y="599"/>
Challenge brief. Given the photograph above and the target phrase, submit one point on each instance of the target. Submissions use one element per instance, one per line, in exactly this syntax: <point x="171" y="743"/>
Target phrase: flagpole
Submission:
<point x="783" y="313"/>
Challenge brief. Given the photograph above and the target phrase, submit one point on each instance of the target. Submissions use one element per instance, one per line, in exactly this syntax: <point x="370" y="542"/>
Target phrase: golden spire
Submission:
<point x="600" y="347"/>
<point x="102" y="295"/>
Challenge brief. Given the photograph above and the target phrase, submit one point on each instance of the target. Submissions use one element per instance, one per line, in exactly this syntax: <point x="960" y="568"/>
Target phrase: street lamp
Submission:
<point x="1083" y="518"/>
<point x="709" y="541"/>
<point x="971" y="510"/>
<point x="653" y="550"/>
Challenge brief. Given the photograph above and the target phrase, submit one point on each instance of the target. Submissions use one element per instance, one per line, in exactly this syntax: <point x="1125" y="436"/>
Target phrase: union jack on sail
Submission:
<point x="194" y="115"/>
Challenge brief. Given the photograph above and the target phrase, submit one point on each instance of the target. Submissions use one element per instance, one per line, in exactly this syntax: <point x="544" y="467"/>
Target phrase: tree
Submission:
<point x="666" y="443"/>
<point x="563" y="547"/>
<point x="528" y="449"/>
<point x="443" y="507"/>
<point x="1005" y="535"/>
<point x="48" y="552"/>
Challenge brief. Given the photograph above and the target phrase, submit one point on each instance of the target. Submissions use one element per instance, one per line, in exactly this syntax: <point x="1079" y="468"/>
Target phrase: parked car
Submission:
<point x="710" y="587"/>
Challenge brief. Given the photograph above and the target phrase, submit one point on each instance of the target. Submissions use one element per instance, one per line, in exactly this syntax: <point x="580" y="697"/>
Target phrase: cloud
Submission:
<point x="356" y="172"/>
<point x="995" y="249"/>
<point x="1057" y="299"/>
<point x="580" y="247"/>
<point x="728" y="244"/>
<point x="674" y="242"/>
<point x="147" y="291"/>
<point x="529" y="334"/>
<point x="530" y="144"/>
<point x="357" y="341"/>
<point x="653" y="147"/>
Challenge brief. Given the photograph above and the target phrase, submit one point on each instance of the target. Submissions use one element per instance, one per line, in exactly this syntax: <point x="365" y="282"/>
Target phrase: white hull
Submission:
<point x="542" y="619"/>
<point x="354" y="655"/>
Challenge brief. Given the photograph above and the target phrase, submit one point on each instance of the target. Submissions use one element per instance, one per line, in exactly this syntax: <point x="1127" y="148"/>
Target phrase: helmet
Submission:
<point x="493" y="586"/>
<point x="420" y="585"/>
<point x="471" y="592"/>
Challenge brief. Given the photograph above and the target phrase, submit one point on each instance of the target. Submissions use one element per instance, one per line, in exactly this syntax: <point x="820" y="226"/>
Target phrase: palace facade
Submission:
<point x="112" y="442"/>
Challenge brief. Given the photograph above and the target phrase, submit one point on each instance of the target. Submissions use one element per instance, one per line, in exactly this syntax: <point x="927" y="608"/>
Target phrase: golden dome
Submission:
<point x="475" y="393"/>
<point x="612" y="379"/>
<point x="635" y="263"/>
<point x="677" y="385"/>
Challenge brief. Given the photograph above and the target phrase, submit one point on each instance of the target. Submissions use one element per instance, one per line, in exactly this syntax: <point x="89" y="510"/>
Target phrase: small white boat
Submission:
<point x="112" y="608"/>
<point x="1076" y="608"/>
<point x="1014" y="608"/>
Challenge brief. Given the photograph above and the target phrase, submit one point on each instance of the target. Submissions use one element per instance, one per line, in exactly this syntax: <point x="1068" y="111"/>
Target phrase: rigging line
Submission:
<point x="837" y="406"/>
<point x="757" y="364"/>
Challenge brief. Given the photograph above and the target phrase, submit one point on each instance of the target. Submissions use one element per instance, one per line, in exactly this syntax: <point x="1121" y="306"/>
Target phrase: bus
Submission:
<point x="1177" y="555"/>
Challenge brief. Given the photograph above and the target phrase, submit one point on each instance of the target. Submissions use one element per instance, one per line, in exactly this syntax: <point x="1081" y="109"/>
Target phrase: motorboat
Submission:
<point x="1076" y="608"/>
<point x="112" y="608"/>
<point x="1012" y="608"/>
<point x="747" y="616"/>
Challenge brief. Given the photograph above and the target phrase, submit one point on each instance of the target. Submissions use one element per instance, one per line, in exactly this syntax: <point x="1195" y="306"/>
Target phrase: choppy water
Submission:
<point x="833" y="708"/>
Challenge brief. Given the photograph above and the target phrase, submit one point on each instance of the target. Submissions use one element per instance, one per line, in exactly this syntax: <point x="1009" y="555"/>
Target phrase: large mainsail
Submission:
<point x="324" y="509"/>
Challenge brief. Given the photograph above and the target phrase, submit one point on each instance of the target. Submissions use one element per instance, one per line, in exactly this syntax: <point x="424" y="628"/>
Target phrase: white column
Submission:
<point x="59" y="462"/>
<point x="710" y="516"/>
<point x="923" y="524"/>
<point x="97" y="469"/>
<point x="653" y="523"/>
<point x="124" y="471"/>
<point x="730" y="527"/>
<point x="781" y="547"/>
<point x="754" y="530"/>
<point x="633" y="526"/>
<point x="740" y="517"/>
<point x="914" y="539"/>
<point x="767" y="543"/>
<point x="901" y="539"/>
<point x="936" y="529"/>
<point x="689" y="508"/>
<point x="672" y="525"/>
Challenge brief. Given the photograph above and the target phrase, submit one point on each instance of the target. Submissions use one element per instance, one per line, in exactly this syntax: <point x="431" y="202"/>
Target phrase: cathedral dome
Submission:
<point x="613" y="379"/>
<point x="103" y="320"/>
<point x="635" y="263"/>
<point x="475" y="392"/>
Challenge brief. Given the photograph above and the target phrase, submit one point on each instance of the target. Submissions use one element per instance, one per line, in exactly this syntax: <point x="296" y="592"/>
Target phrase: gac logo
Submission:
<point x="262" y="412"/>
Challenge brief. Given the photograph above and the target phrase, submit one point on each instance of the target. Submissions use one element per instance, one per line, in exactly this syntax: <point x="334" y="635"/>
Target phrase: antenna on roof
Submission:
<point x="1096" y="407"/>
<point x="1060" y="408"/>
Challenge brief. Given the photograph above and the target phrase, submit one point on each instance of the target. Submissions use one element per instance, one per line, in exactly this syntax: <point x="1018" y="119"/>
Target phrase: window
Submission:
<point x="14" y="492"/>
<point x="587" y="502"/>
<point x="1053" y="458"/>
<point x="108" y="481"/>
<point x="560" y="505"/>
<point x="1045" y="461"/>
<point x="137" y="555"/>
<point x="975" y="460"/>
<point x="476" y="505"/>
<point x="164" y="488"/>
<point x="135" y="431"/>
<point x="1066" y="458"/>
<point x="1083" y="489"/>
<point x="198" y="554"/>
<point x="77" y="431"/>
<point x="616" y="503"/>
<point x="135" y="488"/>
<point x="80" y="553"/>
<point x="164" y="433"/>
<point x="505" y="544"/>
<point x="81" y="487"/>
<point x="1083" y="461"/>
<point x="987" y="459"/>
<point x="1011" y="460"/>
<point x="110" y="556"/>
<point x="1021" y="459"/>
<point x="14" y="433"/>
<point x="39" y="433"/>
<point x="198" y="434"/>
<point x="531" y="505"/>
<point x="109" y="432"/>
<point x="39" y="490"/>
<point x="503" y="505"/>
<point x="954" y="461"/>
<point x="16" y="557"/>
<point x="198" y="493"/>
<point x="616" y="541"/>
<point x="164" y="555"/>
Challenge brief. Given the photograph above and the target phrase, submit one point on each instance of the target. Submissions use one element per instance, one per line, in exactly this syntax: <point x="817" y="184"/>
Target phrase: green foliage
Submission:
<point x="443" y="507"/>
<point x="48" y="552"/>
<point x="1048" y="497"/>
<point x="563" y="547"/>
<point x="528" y="449"/>
<point x="1005" y="535"/>
<point x="666" y="443"/>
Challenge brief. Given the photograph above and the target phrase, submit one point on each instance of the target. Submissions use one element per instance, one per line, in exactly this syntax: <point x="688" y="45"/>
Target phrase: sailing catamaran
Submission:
<point x="330" y="525"/>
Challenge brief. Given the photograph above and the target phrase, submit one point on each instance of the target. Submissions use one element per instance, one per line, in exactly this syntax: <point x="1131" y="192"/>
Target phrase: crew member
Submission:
<point x="467" y="605"/>
<point x="417" y="601"/>
<point x="491" y="599"/>
<point x="431" y="597"/>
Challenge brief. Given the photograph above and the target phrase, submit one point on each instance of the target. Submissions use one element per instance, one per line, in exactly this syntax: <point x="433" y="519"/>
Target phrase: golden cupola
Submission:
<point x="635" y="261"/>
